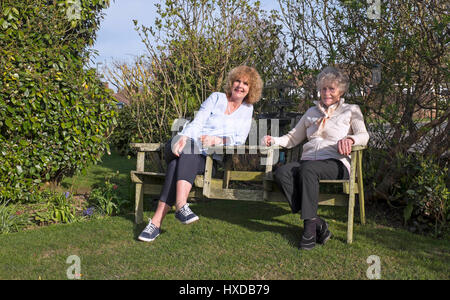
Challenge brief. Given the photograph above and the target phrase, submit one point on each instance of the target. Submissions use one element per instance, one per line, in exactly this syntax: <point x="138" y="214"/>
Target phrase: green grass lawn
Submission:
<point x="232" y="240"/>
<point x="111" y="165"/>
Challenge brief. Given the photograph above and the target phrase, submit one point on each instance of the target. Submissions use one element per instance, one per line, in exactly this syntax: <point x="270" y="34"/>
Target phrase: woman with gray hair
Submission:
<point x="331" y="127"/>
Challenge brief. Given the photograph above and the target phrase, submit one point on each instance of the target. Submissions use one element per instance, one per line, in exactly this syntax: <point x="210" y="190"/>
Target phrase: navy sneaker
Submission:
<point x="185" y="215"/>
<point x="323" y="233"/>
<point x="150" y="232"/>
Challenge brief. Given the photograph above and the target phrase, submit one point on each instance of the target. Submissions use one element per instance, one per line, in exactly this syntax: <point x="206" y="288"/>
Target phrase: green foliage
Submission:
<point x="425" y="188"/>
<point x="59" y="209"/>
<point x="136" y="123"/>
<point x="10" y="220"/>
<point x="54" y="113"/>
<point x="105" y="197"/>
<point x="421" y="192"/>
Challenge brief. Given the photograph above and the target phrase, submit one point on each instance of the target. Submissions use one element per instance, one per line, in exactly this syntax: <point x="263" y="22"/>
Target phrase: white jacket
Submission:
<point x="345" y="122"/>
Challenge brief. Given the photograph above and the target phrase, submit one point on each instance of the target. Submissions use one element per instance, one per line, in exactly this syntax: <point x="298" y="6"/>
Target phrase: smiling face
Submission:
<point x="330" y="93"/>
<point x="240" y="88"/>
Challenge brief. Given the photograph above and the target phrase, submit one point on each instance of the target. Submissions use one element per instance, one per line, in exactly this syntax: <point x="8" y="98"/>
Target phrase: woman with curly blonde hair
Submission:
<point x="223" y="119"/>
<point x="253" y="79"/>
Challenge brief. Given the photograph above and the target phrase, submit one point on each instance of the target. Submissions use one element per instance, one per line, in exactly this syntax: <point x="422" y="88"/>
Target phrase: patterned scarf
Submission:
<point x="327" y="112"/>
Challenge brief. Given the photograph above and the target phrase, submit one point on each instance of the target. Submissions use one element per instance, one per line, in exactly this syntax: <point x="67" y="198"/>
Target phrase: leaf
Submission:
<point x="407" y="212"/>
<point x="411" y="192"/>
<point x="9" y="123"/>
<point x="19" y="169"/>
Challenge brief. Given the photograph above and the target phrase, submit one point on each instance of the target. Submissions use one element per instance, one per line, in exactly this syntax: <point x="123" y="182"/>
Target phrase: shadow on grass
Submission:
<point x="255" y="216"/>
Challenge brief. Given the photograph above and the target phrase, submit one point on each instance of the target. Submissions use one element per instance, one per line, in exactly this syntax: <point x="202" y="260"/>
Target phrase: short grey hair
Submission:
<point x="334" y="75"/>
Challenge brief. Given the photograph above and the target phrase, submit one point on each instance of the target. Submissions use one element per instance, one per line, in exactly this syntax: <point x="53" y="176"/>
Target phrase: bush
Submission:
<point x="105" y="198"/>
<point x="58" y="209"/>
<point x="54" y="112"/>
<point x="421" y="192"/>
<point x="425" y="189"/>
<point x="10" y="221"/>
<point x="136" y="123"/>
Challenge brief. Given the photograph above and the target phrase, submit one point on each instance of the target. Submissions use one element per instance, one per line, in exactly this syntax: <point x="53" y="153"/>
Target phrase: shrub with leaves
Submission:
<point x="54" y="112"/>
<point x="59" y="208"/>
<point x="426" y="192"/>
<point x="105" y="198"/>
<point x="10" y="221"/>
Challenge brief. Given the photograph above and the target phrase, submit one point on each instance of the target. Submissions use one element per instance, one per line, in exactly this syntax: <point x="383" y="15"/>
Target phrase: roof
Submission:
<point x="122" y="97"/>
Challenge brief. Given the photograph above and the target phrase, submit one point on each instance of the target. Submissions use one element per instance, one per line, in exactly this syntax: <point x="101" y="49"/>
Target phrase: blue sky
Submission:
<point x="117" y="39"/>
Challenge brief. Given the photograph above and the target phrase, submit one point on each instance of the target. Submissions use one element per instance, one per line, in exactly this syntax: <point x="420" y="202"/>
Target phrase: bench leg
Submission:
<point x="351" y="209"/>
<point x="139" y="205"/>
<point x="268" y="173"/>
<point x="362" y="211"/>
<point x="351" y="200"/>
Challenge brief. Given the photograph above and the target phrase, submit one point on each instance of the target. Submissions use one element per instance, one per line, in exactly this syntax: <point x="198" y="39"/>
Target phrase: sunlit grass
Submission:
<point x="232" y="240"/>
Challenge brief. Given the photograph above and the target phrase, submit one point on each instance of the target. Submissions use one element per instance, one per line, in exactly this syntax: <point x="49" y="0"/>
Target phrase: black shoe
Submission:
<point x="308" y="243"/>
<point x="323" y="234"/>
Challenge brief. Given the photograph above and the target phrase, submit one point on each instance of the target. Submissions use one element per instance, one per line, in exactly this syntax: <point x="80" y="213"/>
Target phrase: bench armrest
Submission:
<point x="358" y="147"/>
<point x="147" y="147"/>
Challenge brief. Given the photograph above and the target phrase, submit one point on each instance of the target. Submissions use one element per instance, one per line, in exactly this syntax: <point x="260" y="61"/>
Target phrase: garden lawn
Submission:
<point x="112" y="165"/>
<point x="232" y="240"/>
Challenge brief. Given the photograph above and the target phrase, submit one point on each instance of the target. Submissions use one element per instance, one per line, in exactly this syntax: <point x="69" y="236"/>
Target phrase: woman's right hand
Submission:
<point x="268" y="140"/>
<point x="177" y="148"/>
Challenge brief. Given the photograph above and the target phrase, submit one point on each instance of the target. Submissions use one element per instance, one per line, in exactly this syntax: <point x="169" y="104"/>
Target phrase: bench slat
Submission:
<point x="147" y="147"/>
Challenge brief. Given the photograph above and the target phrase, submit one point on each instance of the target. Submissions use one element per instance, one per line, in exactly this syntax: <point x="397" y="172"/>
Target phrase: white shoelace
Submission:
<point x="150" y="227"/>
<point x="185" y="210"/>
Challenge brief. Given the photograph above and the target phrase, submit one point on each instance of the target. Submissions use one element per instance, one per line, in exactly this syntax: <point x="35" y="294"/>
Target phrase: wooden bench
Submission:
<point x="205" y="186"/>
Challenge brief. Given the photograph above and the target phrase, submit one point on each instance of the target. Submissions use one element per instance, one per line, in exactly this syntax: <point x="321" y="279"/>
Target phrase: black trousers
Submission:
<point x="299" y="182"/>
<point x="187" y="166"/>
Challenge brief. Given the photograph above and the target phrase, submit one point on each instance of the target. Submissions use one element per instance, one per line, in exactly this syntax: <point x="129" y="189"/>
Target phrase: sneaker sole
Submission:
<point x="189" y="221"/>
<point x="307" y="248"/>
<point x="146" y="239"/>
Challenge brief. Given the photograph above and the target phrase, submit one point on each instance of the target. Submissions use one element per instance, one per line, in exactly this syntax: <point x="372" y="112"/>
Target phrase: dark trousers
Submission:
<point x="299" y="182"/>
<point x="187" y="166"/>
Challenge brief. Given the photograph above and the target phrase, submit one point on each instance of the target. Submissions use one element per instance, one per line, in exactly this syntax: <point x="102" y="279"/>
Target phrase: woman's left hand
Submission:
<point x="345" y="146"/>
<point x="209" y="140"/>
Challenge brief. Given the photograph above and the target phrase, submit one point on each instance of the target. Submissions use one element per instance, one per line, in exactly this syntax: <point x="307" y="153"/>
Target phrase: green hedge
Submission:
<point x="55" y="113"/>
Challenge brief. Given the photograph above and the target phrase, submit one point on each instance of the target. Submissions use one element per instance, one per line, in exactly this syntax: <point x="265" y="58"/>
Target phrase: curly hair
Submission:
<point x="334" y="75"/>
<point x="254" y="80"/>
